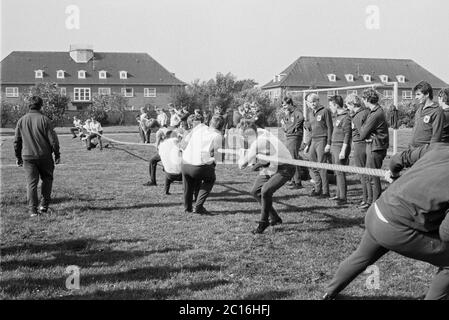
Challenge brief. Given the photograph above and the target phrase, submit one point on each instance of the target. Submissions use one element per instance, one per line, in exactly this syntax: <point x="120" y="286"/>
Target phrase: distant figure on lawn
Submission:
<point x="34" y="143"/>
<point x="77" y="126"/>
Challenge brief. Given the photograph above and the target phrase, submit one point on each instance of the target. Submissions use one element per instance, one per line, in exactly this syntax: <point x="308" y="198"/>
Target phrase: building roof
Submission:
<point x="313" y="71"/>
<point x="19" y="66"/>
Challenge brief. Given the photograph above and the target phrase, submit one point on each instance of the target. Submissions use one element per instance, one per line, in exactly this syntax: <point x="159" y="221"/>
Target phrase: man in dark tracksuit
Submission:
<point x="321" y="127"/>
<point x="375" y="131"/>
<point x="411" y="218"/>
<point x="443" y="100"/>
<point x="341" y="144"/>
<point x="428" y="124"/>
<point x="293" y="125"/>
<point x="359" y="115"/>
<point x="34" y="142"/>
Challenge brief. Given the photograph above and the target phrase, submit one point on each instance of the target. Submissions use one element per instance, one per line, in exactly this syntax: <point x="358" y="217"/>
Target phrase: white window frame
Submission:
<point x="123" y="75"/>
<point x="147" y="92"/>
<point x="102" y="93"/>
<point x="401" y="78"/>
<point x="13" y="94"/>
<point x="38" y="74"/>
<point x="63" y="91"/>
<point x="367" y="77"/>
<point x="127" y="95"/>
<point x="83" y="73"/>
<point x="86" y="94"/>
<point x="348" y="92"/>
<point x="60" y="74"/>
<point x="102" y="74"/>
<point x="332" y="77"/>
<point x="349" y="77"/>
<point x="388" y="94"/>
<point x="406" y="96"/>
<point x="383" y="78"/>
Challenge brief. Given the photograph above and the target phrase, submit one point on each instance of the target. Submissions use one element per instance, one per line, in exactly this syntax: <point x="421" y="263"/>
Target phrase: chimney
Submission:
<point x="81" y="53"/>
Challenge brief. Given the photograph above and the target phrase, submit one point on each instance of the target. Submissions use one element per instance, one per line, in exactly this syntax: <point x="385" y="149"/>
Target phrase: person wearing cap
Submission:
<point x="34" y="143"/>
<point x="321" y="127"/>
<point x="359" y="114"/>
<point x="443" y="100"/>
<point x="375" y="133"/>
<point x="341" y="144"/>
<point x="409" y="220"/>
<point x="293" y="126"/>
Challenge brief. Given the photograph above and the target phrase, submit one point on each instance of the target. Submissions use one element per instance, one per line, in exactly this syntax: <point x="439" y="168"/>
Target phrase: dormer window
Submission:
<point x="367" y="78"/>
<point x="60" y="74"/>
<point x="401" y="78"/>
<point x="38" y="74"/>
<point x="123" y="75"/>
<point x="383" y="78"/>
<point x="81" y="74"/>
<point x="102" y="74"/>
<point x="349" y="77"/>
<point x="332" y="77"/>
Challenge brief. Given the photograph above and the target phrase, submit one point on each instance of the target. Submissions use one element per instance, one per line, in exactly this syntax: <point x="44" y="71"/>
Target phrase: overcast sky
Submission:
<point x="249" y="38"/>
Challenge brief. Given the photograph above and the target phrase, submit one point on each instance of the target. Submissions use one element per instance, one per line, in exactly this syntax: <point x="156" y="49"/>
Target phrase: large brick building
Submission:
<point x="82" y="73"/>
<point x="326" y="72"/>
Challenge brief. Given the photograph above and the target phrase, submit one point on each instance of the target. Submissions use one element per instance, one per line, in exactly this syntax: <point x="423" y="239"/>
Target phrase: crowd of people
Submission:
<point x="410" y="217"/>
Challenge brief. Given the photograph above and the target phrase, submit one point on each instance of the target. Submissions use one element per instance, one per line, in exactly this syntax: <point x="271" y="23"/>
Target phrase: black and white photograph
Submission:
<point x="226" y="156"/>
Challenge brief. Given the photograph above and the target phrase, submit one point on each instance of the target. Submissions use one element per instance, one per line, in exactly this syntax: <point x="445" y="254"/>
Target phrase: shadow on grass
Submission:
<point x="118" y="208"/>
<point x="268" y="295"/>
<point x="57" y="200"/>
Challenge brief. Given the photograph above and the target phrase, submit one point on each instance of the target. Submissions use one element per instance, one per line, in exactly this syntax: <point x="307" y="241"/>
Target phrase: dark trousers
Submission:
<point x="169" y="178"/>
<point x="35" y="169"/>
<point x="374" y="159"/>
<point x="360" y="161"/>
<point x="265" y="186"/>
<point x="381" y="237"/>
<point x="92" y="136"/>
<point x="342" y="188"/>
<point x="293" y="145"/>
<point x="194" y="178"/>
<point x="152" y="167"/>
<point x="144" y="135"/>
<point x="317" y="155"/>
<point x="73" y="131"/>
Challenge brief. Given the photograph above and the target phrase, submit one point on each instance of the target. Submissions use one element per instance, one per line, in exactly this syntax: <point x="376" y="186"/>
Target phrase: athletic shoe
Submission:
<point x="276" y="221"/>
<point x="261" y="227"/>
<point x="34" y="213"/>
<point x="295" y="186"/>
<point x="43" y="209"/>
<point x="315" y="194"/>
<point x="201" y="210"/>
<point x="187" y="211"/>
<point x="334" y="198"/>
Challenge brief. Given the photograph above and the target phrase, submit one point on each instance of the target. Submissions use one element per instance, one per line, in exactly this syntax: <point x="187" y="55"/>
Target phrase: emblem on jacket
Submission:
<point x="426" y="119"/>
<point x="337" y="123"/>
<point x="352" y="125"/>
<point x="318" y="118"/>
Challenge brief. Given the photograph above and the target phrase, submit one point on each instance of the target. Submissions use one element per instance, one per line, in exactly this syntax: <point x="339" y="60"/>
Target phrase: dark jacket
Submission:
<point x="376" y="129"/>
<point x="428" y="125"/>
<point x="420" y="197"/>
<point x="445" y="133"/>
<point x="294" y="124"/>
<point x="320" y="123"/>
<point x="342" y="129"/>
<point x="35" y="137"/>
<point x="358" y="119"/>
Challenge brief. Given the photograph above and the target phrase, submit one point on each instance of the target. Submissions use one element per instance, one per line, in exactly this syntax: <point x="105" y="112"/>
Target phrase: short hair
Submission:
<point x="246" y="124"/>
<point x="217" y="122"/>
<point x="313" y="96"/>
<point x="197" y="117"/>
<point x="338" y="100"/>
<point x="354" y="100"/>
<point x="425" y="88"/>
<point x="36" y="103"/>
<point x="288" y="100"/>
<point x="371" y="96"/>
<point x="444" y="93"/>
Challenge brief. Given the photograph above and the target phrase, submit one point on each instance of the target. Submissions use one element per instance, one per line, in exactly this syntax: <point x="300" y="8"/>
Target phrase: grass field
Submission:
<point x="133" y="242"/>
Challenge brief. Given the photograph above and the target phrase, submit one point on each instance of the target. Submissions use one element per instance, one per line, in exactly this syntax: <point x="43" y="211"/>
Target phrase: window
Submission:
<point x="102" y="74"/>
<point x="127" y="92"/>
<point x="388" y="94"/>
<point x="81" y="94"/>
<point x="60" y="74"/>
<point x="349" y="77"/>
<point x="407" y="94"/>
<point x="104" y="91"/>
<point x="149" y="92"/>
<point x="81" y="74"/>
<point x="401" y="78"/>
<point x="12" y="92"/>
<point x="63" y="91"/>
<point x="351" y="92"/>
<point x="331" y="93"/>
<point x="367" y="78"/>
<point x="383" y="78"/>
<point x="38" y="74"/>
<point x="332" y="77"/>
<point x="123" y="75"/>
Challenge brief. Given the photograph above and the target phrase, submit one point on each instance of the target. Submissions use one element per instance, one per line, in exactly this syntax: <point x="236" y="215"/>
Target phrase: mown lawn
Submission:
<point x="133" y="242"/>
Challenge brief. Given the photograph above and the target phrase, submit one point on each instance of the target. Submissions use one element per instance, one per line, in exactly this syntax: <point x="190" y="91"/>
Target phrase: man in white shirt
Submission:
<point x="174" y="118"/>
<point x="272" y="176"/>
<point x="94" y="131"/>
<point x="171" y="158"/>
<point x="198" y="167"/>
<point x="144" y="130"/>
<point x="76" y="126"/>
<point x="162" y="117"/>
